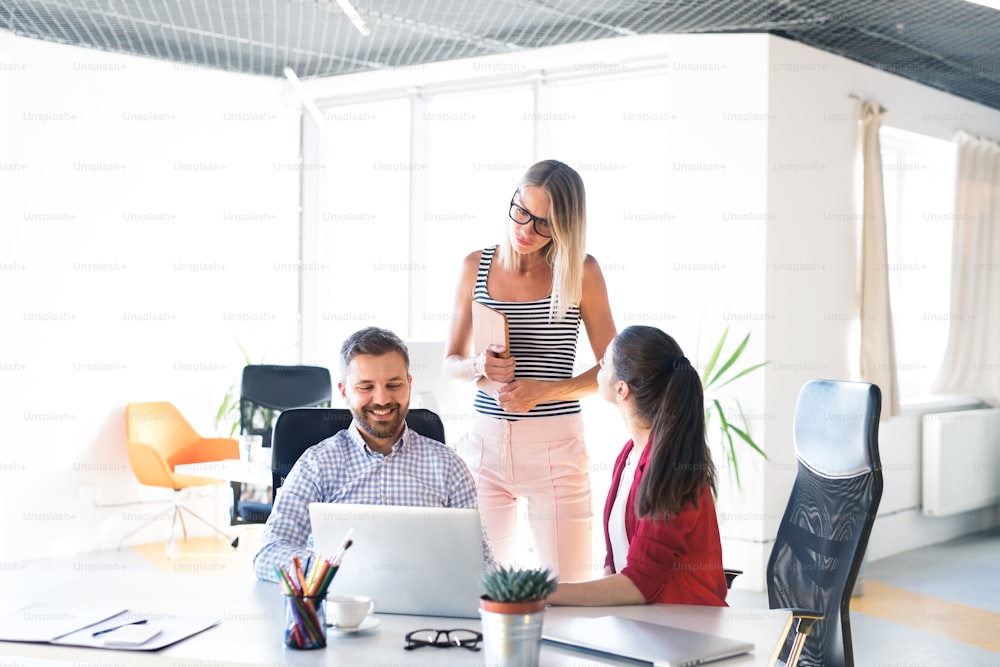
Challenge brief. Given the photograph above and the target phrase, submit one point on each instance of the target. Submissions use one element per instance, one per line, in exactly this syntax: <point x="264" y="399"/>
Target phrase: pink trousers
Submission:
<point x="544" y="461"/>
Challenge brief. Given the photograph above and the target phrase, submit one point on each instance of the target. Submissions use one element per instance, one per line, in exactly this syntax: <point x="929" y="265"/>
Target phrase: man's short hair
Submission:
<point x="374" y="341"/>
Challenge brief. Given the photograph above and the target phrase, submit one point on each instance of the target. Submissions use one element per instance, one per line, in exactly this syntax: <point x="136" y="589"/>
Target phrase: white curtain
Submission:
<point x="878" y="351"/>
<point x="971" y="363"/>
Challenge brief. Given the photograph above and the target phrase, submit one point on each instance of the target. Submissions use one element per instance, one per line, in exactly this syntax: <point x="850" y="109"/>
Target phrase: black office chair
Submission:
<point x="298" y="429"/>
<point x="824" y="532"/>
<point x="265" y="391"/>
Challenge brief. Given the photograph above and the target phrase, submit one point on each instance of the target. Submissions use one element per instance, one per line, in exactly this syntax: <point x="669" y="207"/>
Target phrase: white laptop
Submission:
<point x="426" y="561"/>
<point x="660" y="645"/>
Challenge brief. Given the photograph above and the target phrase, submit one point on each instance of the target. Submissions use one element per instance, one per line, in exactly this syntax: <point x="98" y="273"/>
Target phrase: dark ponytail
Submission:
<point x="667" y="392"/>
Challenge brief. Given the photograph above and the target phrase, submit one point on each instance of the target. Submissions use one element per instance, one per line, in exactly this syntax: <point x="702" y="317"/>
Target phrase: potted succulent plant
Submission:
<point x="512" y="610"/>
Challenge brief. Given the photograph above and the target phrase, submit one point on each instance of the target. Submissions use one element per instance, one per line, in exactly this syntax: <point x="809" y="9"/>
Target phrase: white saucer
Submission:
<point x="368" y="624"/>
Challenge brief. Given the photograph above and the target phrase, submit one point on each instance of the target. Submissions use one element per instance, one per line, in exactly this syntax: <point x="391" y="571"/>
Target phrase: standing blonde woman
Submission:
<point x="527" y="438"/>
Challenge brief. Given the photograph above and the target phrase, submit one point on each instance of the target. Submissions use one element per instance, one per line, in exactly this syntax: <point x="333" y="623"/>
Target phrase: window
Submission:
<point x="447" y="163"/>
<point x="478" y="143"/>
<point x="919" y="184"/>
<point x="362" y="265"/>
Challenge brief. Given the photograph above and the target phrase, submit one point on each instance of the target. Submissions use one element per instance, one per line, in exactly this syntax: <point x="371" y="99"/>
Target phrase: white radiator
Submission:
<point x="961" y="461"/>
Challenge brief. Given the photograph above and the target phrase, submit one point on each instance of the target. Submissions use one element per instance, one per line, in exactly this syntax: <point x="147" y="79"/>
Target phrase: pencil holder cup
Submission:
<point x="305" y="621"/>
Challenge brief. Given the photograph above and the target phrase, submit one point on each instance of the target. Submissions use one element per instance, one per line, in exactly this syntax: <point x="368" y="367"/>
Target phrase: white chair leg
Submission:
<point x="178" y="515"/>
<point x="173" y="528"/>
<point x="136" y="530"/>
<point x="233" y="542"/>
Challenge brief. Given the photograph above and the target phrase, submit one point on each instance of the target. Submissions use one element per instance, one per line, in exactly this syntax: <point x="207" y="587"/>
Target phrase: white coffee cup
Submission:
<point x="250" y="446"/>
<point x="349" y="611"/>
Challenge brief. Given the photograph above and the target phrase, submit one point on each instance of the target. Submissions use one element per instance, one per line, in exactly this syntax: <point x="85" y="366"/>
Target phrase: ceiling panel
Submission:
<point x="951" y="45"/>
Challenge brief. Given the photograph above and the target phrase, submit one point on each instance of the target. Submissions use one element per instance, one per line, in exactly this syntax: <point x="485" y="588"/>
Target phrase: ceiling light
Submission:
<point x="355" y="17"/>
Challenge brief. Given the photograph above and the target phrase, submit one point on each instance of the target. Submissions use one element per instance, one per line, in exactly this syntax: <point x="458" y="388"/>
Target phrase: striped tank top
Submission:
<point x="544" y="350"/>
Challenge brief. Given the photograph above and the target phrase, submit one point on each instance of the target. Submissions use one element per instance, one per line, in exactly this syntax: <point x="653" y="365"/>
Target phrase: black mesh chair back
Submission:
<point x="297" y="430"/>
<point x="265" y="391"/>
<point x="823" y="535"/>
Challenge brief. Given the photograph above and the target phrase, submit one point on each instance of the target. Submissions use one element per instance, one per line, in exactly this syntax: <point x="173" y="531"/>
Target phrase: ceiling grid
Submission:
<point x="951" y="45"/>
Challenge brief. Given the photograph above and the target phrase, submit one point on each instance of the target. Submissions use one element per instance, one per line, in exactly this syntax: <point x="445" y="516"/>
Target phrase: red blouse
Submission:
<point x="678" y="560"/>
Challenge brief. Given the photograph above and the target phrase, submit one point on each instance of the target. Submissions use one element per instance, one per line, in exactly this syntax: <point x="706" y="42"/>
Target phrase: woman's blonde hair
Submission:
<point x="568" y="221"/>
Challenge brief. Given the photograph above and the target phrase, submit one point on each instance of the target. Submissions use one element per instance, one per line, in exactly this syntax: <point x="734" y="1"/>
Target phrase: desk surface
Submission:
<point x="229" y="470"/>
<point x="252" y="615"/>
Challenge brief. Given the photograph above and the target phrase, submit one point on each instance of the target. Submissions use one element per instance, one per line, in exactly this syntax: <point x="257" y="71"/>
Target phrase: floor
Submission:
<point x="931" y="607"/>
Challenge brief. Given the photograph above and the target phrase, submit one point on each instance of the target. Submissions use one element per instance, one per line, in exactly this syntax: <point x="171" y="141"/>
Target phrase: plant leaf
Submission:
<point x="728" y="445"/>
<point x="743" y="372"/>
<point x="227" y="400"/>
<point x="713" y="379"/>
<point x="714" y="358"/>
<point x="747" y="439"/>
<point x="243" y="351"/>
<point x="732" y="359"/>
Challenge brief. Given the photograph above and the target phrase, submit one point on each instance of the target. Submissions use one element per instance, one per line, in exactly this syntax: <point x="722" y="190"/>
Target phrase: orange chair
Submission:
<point x="158" y="437"/>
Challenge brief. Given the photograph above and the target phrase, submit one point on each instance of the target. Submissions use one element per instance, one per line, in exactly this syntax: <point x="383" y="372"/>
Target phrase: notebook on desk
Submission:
<point x="426" y="561"/>
<point x="99" y="627"/>
<point x="659" y="645"/>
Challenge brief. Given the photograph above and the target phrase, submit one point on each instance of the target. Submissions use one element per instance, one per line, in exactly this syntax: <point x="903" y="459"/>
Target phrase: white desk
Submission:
<point x="252" y="617"/>
<point x="230" y="470"/>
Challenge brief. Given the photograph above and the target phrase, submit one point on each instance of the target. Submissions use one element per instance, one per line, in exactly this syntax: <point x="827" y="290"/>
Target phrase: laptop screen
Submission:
<point x="413" y="560"/>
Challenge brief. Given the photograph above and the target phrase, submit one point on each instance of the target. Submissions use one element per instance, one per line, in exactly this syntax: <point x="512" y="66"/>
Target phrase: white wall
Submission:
<point x="149" y="222"/>
<point x="812" y="265"/>
<point x="703" y="270"/>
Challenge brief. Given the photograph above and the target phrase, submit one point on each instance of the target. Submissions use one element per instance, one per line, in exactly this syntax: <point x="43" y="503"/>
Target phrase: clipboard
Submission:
<point x="163" y="630"/>
<point x="68" y="625"/>
<point x="489" y="326"/>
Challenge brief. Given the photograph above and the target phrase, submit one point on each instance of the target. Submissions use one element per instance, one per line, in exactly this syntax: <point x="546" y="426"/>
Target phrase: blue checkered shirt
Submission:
<point x="419" y="472"/>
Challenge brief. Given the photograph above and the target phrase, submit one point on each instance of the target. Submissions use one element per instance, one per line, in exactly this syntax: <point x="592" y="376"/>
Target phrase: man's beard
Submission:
<point x="378" y="429"/>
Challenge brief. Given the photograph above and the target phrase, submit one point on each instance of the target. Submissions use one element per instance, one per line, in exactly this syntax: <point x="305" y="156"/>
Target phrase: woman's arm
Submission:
<point x="458" y="365"/>
<point x="615" y="589"/>
<point x="595" y="311"/>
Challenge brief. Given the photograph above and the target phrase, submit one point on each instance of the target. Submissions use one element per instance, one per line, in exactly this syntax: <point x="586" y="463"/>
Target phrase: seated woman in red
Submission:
<point x="660" y="526"/>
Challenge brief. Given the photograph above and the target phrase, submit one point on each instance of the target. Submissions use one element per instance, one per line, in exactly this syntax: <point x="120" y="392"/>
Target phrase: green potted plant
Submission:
<point x="512" y="610"/>
<point x="227" y="416"/>
<point x="733" y="425"/>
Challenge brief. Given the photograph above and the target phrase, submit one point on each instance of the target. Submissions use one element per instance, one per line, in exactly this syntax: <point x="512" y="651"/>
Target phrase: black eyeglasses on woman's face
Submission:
<point x="444" y="638"/>
<point x="523" y="216"/>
